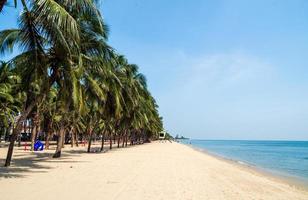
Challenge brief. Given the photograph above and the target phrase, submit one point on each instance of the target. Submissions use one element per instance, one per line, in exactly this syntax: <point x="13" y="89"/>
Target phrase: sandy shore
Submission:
<point x="150" y="171"/>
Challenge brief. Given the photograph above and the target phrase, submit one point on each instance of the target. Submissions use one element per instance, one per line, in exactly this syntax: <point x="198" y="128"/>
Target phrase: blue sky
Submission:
<point x="223" y="69"/>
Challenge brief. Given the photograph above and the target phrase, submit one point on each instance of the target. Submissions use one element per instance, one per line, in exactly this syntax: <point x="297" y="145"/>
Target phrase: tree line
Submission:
<point x="69" y="82"/>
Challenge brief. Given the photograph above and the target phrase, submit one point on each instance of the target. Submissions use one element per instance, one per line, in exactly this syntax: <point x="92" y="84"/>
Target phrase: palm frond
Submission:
<point x="49" y="11"/>
<point x="8" y="39"/>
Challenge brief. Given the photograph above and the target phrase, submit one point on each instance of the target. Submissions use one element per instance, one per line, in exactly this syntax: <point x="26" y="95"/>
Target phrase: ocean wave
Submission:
<point x="241" y="162"/>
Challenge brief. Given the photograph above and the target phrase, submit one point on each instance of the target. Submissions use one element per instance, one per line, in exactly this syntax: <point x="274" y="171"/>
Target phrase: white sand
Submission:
<point x="151" y="171"/>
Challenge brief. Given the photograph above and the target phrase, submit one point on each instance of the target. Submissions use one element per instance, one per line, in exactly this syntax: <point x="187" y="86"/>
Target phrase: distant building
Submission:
<point x="162" y="135"/>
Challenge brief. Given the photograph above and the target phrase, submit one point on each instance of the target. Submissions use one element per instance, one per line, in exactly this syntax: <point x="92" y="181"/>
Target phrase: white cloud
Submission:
<point x="229" y="96"/>
<point x="223" y="94"/>
<point x="222" y="70"/>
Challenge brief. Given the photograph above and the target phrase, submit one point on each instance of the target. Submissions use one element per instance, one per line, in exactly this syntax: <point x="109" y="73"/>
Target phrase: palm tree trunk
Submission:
<point x="57" y="154"/>
<point x="36" y="129"/>
<point x="118" y="141"/>
<point x="103" y="141"/>
<point x="1" y="131"/>
<point x="72" y="137"/>
<point x="47" y="139"/>
<point x="110" y="138"/>
<point x="123" y="140"/>
<point x="132" y="136"/>
<point x="126" y="139"/>
<point x="76" y="138"/>
<point x="63" y="141"/>
<point x="16" y="131"/>
<point x="33" y="136"/>
<point x="90" y="141"/>
<point x="83" y="142"/>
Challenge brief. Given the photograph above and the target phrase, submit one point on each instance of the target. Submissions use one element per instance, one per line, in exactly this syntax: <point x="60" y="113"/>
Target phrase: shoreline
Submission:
<point x="291" y="181"/>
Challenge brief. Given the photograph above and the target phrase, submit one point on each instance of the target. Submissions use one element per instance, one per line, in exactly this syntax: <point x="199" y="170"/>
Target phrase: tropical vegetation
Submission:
<point x="67" y="83"/>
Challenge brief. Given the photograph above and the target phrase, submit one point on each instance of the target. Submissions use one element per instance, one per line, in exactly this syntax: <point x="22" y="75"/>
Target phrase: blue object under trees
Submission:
<point x="38" y="146"/>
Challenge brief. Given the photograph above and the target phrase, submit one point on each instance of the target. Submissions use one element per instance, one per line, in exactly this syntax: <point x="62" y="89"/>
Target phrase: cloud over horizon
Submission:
<point x="236" y="92"/>
<point x="220" y="70"/>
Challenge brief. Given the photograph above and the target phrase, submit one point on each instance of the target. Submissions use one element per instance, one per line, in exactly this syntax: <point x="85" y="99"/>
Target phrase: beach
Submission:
<point x="151" y="171"/>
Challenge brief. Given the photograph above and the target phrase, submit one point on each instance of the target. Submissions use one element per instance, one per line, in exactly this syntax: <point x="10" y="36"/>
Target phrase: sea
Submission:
<point x="288" y="159"/>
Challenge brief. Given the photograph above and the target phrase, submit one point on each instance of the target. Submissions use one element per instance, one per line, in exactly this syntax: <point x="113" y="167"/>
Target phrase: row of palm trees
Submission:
<point x="68" y="80"/>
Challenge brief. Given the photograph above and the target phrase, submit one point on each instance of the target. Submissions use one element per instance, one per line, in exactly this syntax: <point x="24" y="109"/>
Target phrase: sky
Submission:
<point x="219" y="69"/>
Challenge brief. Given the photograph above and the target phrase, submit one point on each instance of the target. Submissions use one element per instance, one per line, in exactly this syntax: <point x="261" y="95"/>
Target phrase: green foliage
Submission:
<point x="73" y="76"/>
<point x="11" y="98"/>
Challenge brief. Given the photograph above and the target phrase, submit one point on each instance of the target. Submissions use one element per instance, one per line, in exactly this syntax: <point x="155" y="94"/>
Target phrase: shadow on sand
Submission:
<point x="24" y="163"/>
<point x="33" y="162"/>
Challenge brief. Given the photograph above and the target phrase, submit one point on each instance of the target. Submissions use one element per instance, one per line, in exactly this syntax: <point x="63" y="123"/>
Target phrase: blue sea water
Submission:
<point x="285" y="158"/>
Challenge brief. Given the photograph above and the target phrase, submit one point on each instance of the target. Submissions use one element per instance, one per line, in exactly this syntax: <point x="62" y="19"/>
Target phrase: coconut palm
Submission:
<point x="73" y="79"/>
<point x="50" y="39"/>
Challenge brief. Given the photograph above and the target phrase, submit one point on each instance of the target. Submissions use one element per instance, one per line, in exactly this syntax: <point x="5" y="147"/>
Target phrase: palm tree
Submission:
<point x="82" y="80"/>
<point x="50" y="39"/>
<point x="73" y="78"/>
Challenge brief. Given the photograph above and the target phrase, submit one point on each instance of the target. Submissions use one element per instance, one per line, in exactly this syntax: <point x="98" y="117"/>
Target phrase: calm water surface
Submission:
<point x="285" y="158"/>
